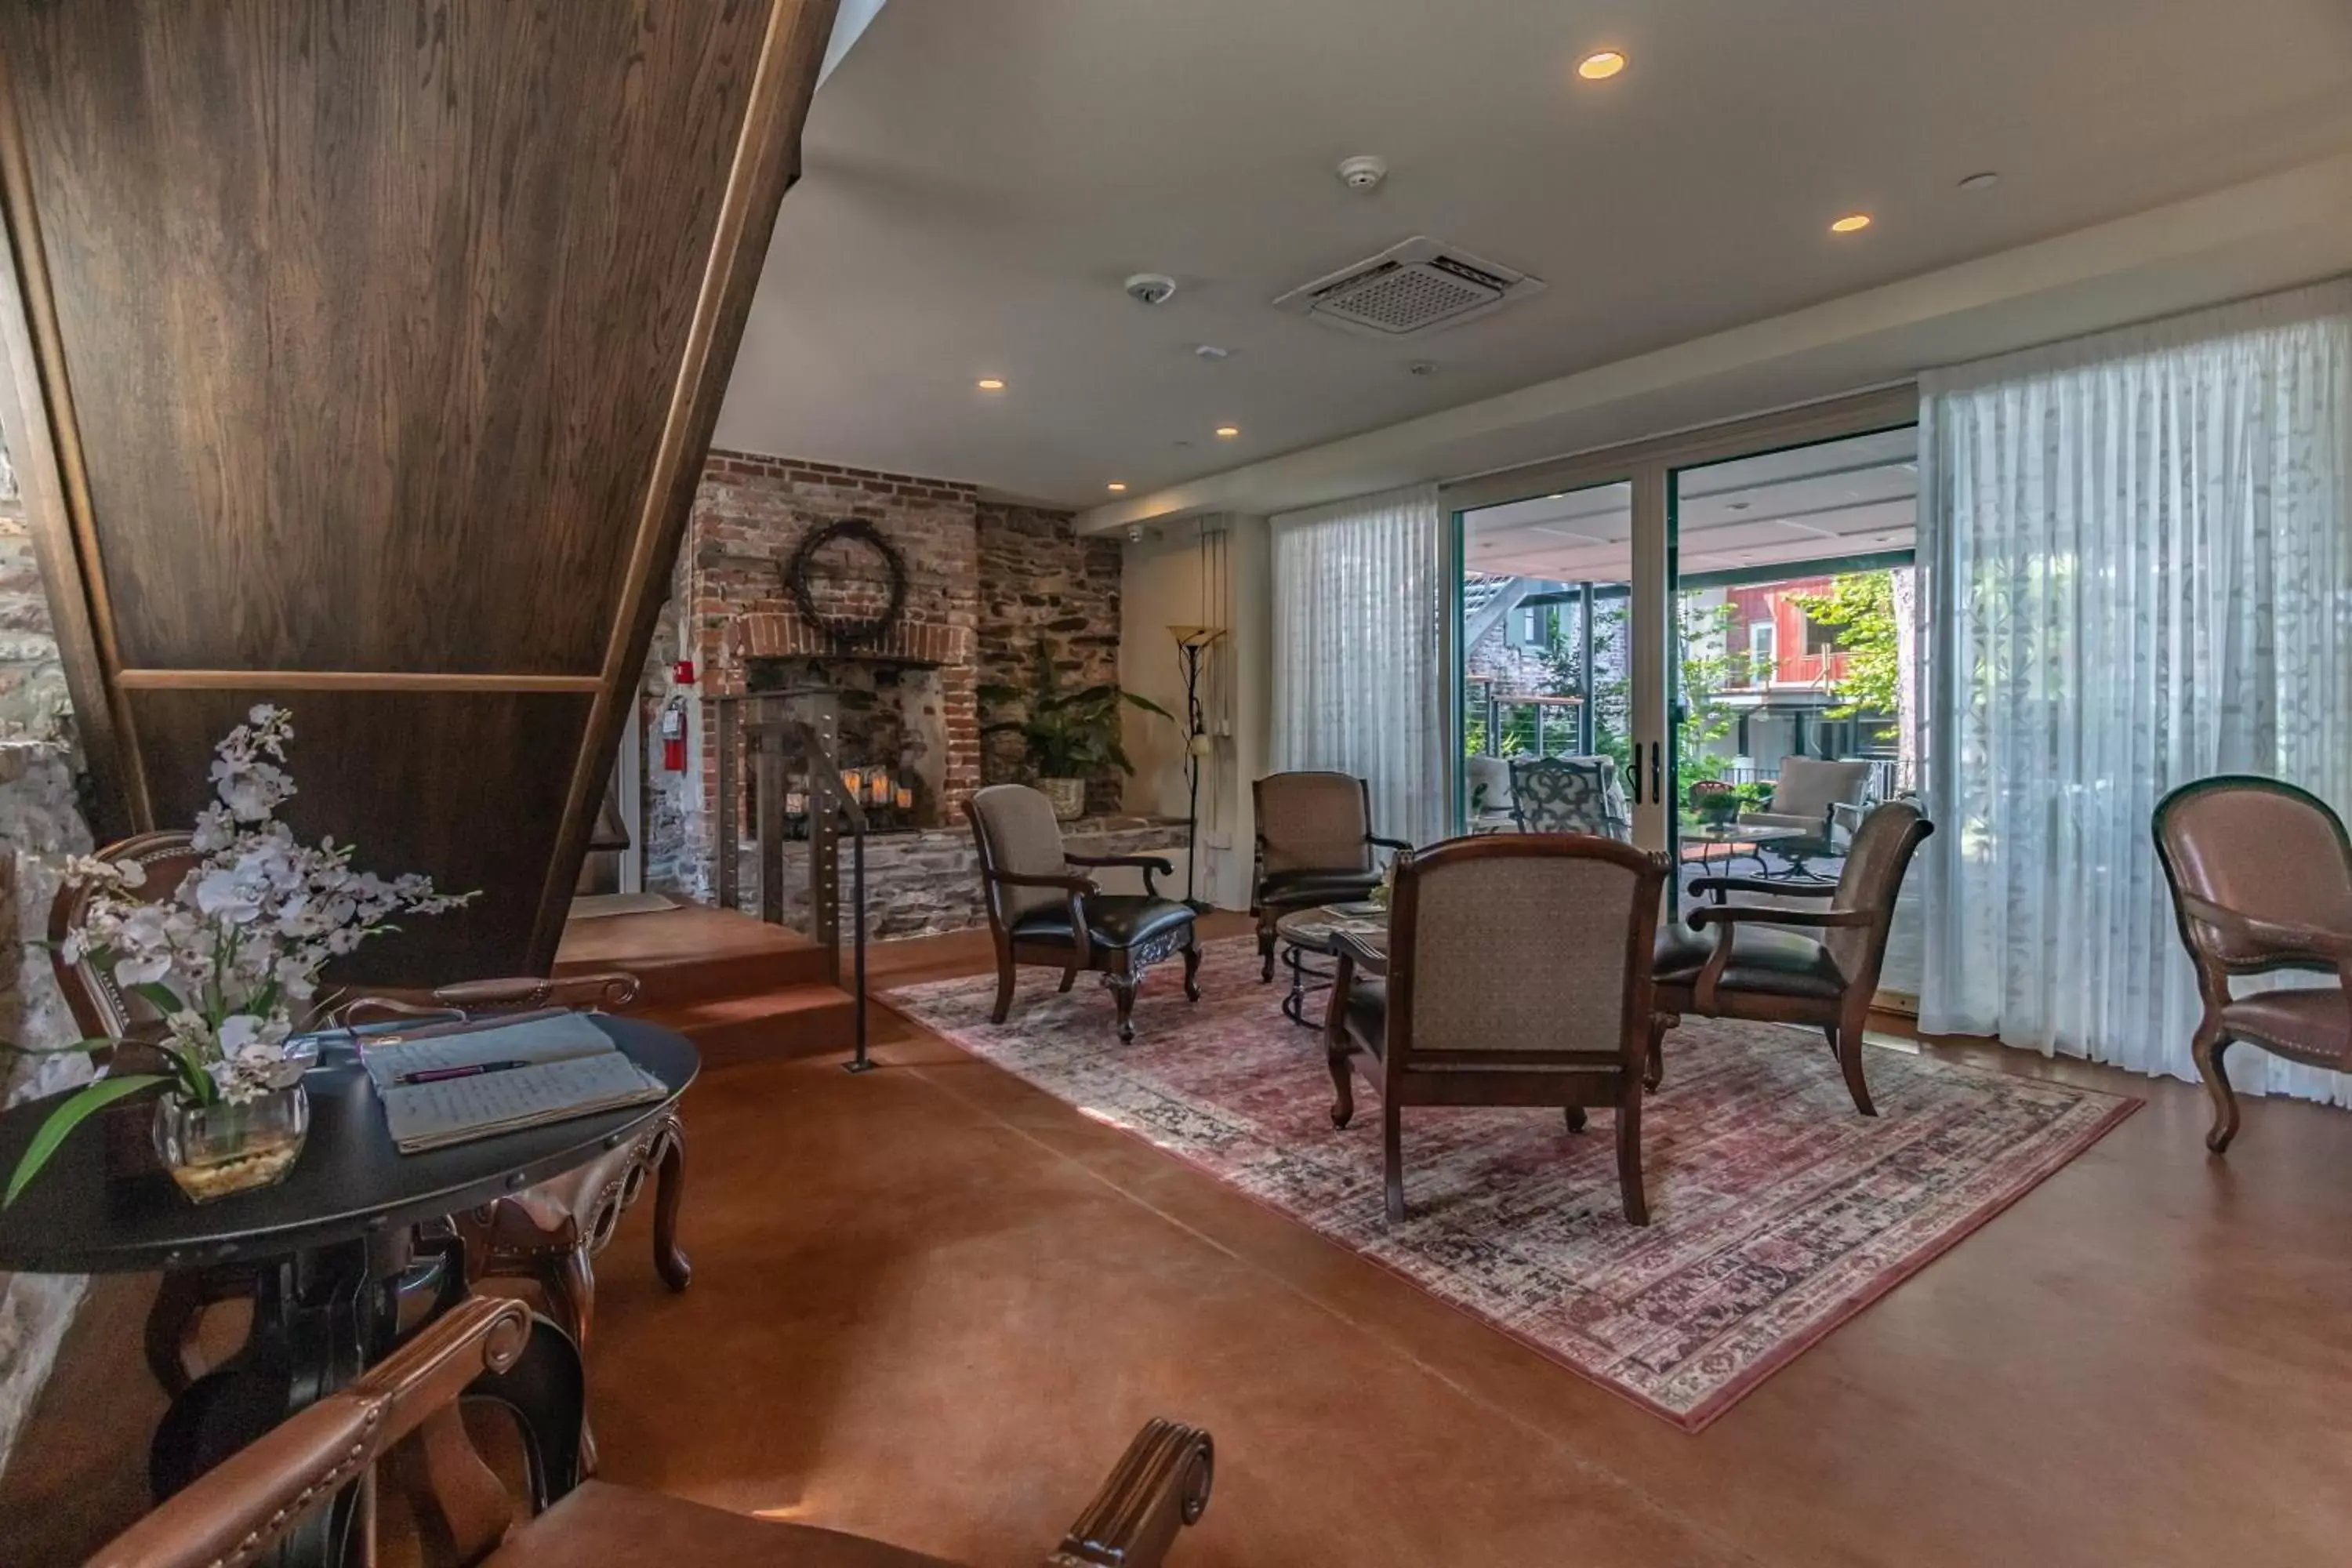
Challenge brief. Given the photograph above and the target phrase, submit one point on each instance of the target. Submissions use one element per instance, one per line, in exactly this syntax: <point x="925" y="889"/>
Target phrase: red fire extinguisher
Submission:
<point x="673" y="737"/>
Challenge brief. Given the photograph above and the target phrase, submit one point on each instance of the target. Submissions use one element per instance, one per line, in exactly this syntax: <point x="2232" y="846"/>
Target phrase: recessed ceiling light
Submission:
<point x="990" y="383"/>
<point x="1115" y="486"/>
<point x="1229" y="431"/>
<point x="1601" y="66"/>
<point x="1211" y="352"/>
<point x="1982" y="182"/>
<point x="1853" y="223"/>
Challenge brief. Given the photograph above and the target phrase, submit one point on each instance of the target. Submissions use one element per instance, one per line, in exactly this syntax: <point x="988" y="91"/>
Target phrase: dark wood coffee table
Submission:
<point x="1303" y="932"/>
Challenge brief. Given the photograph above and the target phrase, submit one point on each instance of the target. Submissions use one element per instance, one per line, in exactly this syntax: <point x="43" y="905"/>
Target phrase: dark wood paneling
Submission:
<point x="369" y="350"/>
<point x="375" y="304"/>
<point x="480" y="812"/>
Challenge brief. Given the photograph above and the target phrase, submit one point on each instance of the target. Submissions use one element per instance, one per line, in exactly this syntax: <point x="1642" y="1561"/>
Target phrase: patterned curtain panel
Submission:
<point x="1359" y="679"/>
<point x="2137" y="567"/>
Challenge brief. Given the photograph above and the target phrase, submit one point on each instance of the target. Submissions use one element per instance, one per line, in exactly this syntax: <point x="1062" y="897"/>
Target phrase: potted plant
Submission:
<point x="226" y="961"/>
<point x="1069" y="736"/>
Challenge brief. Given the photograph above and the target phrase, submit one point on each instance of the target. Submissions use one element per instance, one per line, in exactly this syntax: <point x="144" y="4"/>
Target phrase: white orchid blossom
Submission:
<point x="241" y="941"/>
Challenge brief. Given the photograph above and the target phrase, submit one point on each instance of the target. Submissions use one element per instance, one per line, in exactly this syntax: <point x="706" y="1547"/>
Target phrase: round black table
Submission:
<point x="331" y="1245"/>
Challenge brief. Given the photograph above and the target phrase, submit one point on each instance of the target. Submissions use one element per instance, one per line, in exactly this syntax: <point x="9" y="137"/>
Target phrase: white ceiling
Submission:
<point x="1854" y="497"/>
<point x="979" y="177"/>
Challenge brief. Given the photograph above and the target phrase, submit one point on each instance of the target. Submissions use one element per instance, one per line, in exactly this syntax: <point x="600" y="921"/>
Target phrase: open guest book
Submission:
<point x="454" y="1083"/>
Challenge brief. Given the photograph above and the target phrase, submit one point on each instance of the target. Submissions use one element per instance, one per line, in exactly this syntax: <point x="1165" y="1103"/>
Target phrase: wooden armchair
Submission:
<point x="1753" y="967"/>
<point x="546" y="1233"/>
<point x="1516" y="971"/>
<point x="1040" y="911"/>
<point x="406" y="1409"/>
<point x="1314" y="845"/>
<point x="2261" y="875"/>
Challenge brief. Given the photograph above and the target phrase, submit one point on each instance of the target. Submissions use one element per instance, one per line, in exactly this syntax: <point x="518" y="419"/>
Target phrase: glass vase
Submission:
<point x="214" y="1150"/>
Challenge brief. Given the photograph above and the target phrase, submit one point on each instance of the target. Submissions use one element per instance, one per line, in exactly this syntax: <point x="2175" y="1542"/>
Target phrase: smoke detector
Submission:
<point x="1414" y="287"/>
<point x="1362" y="174"/>
<point x="1151" y="288"/>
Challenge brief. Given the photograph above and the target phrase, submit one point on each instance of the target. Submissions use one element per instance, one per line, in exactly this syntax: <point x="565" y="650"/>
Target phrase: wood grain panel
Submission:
<point x="409" y="807"/>
<point x="370" y="349"/>
<point x="374" y="305"/>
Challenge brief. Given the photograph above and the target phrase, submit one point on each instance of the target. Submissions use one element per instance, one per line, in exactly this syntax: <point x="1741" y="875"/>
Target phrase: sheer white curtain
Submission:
<point x="1358" y="666"/>
<point x="2136" y="553"/>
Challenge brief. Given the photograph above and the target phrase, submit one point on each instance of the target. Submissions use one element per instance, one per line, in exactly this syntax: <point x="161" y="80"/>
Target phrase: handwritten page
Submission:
<point x="456" y="1110"/>
<point x="539" y="1039"/>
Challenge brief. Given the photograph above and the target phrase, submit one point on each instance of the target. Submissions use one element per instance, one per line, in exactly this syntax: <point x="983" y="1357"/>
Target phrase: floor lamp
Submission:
<point x="1191" y="642"/>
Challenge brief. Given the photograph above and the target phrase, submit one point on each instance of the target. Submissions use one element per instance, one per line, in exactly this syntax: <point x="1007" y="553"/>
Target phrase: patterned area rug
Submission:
<point x="1777" y="1211"/>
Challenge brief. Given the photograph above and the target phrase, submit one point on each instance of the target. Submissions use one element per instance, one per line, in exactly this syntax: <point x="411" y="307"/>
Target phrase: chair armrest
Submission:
<point x="1750" y="885"/>
<point x="1158" y="1486"/>
<point x="237" y="1509"/>
<point x="1147" y="864"/>
<point x="1377" y="842"/>
<point x="1727" y="915"/>
<point x="2335" y="944"/>
<point x="1077" y="887"/>
<point x="1353" y="946"/>
<point x="609" y="989"/>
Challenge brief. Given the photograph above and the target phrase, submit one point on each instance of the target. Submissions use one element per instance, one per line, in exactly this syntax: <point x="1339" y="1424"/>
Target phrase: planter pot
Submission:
<point x="1069" y="796"/>
<point x="213" y="1151"/>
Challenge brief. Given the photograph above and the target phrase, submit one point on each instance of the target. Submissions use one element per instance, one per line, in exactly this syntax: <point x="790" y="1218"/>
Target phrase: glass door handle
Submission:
<point x="1658" y="772"/>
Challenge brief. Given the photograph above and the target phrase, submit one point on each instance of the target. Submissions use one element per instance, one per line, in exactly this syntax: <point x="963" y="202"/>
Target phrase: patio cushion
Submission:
<point x="1776" y="962"/>
<point x="1113" y="920"/>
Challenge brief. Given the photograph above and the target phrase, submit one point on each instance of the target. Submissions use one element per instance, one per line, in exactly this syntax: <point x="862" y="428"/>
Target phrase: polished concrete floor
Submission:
<point x="931" y="1304"/>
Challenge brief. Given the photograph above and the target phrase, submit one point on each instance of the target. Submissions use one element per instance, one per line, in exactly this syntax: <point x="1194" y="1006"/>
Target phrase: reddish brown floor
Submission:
<point x="931" y="1303"/>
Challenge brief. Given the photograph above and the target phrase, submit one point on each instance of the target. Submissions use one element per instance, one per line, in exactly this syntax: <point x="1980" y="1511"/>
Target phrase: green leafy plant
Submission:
<point x="1860" y="605"/>
<point x="1065" y="733"/>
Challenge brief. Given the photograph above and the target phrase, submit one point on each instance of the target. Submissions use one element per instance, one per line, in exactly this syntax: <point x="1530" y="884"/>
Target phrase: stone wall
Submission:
<point x="41" y="824"/>
<point x="988" y="582"/>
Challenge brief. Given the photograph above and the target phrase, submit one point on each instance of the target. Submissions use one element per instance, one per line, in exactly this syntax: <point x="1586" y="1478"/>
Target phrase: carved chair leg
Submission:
<point x="670" y="1186"/>
<point x="571" y="1287"/>
<point x="1655" y="1072"/>
<point x="1122" y="990"/>
<point x="171" y="1324"/>
<point x="1393" y="1154"/>
<point x="1343" y="1088"/>
<point x="1069" y="978"/>
<point x="1191" y="972"/>
<point x="1576" y="1118"/>
<point x="1265" y="953"/>
<point x="1629" y="1154"/>
<point x="1847" y="1040"/>
<point x="2208" y="1050"/>
<point x="1004" y="989"/>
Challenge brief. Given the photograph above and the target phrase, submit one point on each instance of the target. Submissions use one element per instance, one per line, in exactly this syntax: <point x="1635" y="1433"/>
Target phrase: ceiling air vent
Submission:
<point x="1409" y="289"/>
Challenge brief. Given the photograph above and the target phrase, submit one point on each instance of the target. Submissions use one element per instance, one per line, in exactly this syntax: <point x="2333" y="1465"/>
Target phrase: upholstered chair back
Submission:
<point x="1313" y="822"/>
<point x="1523" y="943"/>
<point x="1570" y="795"/>
<point x="1809" y="786"/>
<point x="1016" y="831"/>
<point x="1872" y="880"/>
<point x="100" y="1006"/>
<point x="2260" y="847"/>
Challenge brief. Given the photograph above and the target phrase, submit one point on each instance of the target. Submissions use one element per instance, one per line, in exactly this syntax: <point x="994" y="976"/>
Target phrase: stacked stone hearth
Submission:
<point x="986" y="584"/>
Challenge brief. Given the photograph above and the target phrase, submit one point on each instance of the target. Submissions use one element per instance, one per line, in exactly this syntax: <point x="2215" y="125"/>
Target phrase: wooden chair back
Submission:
<point x="1872" y="880"/>
<point x="1313" y="822"/>
<point x="2260" y="847"/>
<point x="101" y="1009"/>
<point x="1014" y="830"/>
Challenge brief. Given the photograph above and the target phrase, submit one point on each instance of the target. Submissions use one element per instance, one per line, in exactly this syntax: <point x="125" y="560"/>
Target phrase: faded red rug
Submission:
<point x="1777" y="1211"/>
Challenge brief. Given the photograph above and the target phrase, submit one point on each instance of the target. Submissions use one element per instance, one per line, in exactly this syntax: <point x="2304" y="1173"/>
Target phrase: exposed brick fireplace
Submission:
<point x="985" y="583"/>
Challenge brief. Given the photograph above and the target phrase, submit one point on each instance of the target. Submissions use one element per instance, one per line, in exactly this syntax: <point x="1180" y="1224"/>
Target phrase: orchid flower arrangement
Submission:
<point x="228" y="958"/>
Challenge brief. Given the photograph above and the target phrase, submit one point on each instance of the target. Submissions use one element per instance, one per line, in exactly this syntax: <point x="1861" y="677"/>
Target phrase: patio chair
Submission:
<point x="1487" y="783"/>
<point x="1743" y="961"/>
<point x="1516" y="972"/>
<point x="1570" y="795"/>
<point x="1315" y="846"/>
<point x="2261" y="875"/>
<point x="1818" y="799"/>
<point x="304" y="1477"/>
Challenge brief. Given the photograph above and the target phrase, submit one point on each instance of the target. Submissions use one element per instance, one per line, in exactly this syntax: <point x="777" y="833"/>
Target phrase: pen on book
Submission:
<point x="471" y="1069"/>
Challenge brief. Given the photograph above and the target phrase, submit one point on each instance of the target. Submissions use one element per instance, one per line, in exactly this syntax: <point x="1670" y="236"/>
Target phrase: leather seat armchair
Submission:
<point x="1042" y="911"/>
<point x="1795" y="965"/>
<point x="1315" y="847"/>
<point x="2261" y="875"/>
<point x="406" y="1409"/>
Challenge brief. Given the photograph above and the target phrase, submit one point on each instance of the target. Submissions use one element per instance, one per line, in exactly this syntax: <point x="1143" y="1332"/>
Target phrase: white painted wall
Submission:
<point x="1212" y="571"/>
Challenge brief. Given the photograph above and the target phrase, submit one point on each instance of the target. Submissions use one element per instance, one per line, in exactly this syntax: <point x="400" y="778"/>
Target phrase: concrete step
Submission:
<point x="802" y="1020"/>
